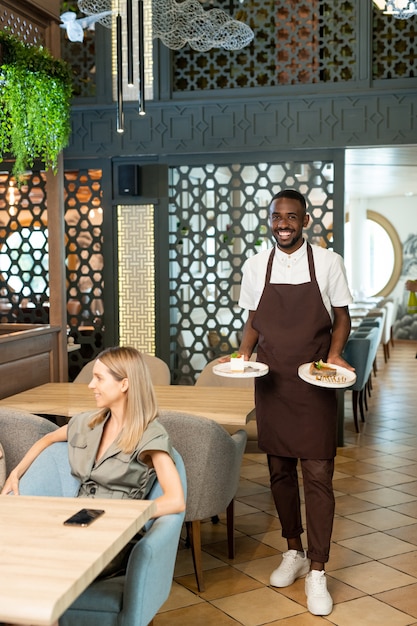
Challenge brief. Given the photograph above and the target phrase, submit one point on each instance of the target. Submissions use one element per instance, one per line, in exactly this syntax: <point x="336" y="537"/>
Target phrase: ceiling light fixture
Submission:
<point x="400" y="9"/>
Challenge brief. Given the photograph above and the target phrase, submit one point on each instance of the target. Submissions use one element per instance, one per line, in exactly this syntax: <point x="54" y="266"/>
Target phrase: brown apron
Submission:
<point x="295" y="419"/>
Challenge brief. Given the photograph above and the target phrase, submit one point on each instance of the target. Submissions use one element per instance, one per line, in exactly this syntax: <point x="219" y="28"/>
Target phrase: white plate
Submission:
<point x="348" y="377"/>
<point x="252" y="370"/>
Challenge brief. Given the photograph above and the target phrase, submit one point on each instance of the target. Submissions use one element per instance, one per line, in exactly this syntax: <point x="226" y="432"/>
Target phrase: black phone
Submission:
<point x="84" y="517"/>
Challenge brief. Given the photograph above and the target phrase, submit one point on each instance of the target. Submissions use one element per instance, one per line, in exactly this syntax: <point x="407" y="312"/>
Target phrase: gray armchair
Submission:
<point x="18" y="432"/>
<point x="212" y="460"/>
<point x="159" y="370"/>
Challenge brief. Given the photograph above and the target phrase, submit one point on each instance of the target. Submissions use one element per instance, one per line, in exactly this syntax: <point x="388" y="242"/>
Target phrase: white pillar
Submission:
<point x="359" y="248"/>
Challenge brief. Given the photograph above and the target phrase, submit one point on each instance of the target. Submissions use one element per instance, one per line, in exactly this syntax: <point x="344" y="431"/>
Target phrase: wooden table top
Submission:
<point x="226" y="405"/>
<point x="44" y="565"/>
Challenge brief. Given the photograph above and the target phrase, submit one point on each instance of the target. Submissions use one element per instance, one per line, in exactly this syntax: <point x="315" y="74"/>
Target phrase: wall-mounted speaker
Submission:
<point x="146" y="181"/>
<point x="128" y="179"/>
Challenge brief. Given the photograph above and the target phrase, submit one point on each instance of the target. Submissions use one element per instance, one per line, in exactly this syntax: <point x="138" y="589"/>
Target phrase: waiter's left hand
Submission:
<point x="336" y="359"/>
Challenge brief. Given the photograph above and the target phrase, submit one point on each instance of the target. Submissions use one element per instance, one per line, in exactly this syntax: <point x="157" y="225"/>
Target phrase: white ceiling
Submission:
<point x="386" y="171"/>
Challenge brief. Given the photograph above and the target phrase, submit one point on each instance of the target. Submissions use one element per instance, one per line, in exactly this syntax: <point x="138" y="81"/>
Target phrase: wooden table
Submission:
<point x="225" y="405"/>
<point x="44" y="565"/>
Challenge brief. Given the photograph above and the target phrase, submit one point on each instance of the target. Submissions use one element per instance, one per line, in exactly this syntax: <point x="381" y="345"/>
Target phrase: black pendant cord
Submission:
<point x="129" y="15"/>
<point x="120" y="116"/>
<point x="142" y="110"/>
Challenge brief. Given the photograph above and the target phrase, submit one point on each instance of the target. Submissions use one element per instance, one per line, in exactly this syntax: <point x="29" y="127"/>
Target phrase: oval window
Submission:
<point x="380" y="261"/>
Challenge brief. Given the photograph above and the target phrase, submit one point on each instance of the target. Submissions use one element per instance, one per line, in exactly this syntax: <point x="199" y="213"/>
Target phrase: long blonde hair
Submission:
<point x="141" y="407"/>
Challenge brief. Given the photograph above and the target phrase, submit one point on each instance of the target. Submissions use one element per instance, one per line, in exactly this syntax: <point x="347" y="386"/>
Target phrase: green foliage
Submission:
<point x="35" y="97"/>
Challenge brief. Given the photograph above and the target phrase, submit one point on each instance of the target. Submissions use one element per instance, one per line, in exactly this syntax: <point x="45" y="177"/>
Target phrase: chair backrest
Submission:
<point x="208" y="378"/>
<point x="159" y="370"/>
<point x="136" y="597"/>
<point x="50" y="474"/>
<point x="18" y="432"/>
<point x="212" y="460"/>
<point x="360" y="352"/>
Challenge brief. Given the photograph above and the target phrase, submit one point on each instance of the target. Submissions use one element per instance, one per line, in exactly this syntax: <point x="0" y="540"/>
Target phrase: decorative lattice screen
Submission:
<point x="24" y="279"/>
<point x="84" y="260"/>
<point x="218" y="217"/>
<point x="295" y="42"/>
<point x="394" y="47"/>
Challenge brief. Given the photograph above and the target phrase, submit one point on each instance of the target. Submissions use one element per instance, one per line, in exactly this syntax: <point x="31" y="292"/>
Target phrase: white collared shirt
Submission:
<point x="292" y="269"/>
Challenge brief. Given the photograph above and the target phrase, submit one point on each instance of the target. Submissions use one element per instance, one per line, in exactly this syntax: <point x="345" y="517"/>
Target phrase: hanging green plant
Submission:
<point x="35" y="98"/>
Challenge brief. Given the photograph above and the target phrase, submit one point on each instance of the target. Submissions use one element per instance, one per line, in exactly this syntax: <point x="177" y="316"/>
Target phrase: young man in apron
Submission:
<point x="297" y="297"/>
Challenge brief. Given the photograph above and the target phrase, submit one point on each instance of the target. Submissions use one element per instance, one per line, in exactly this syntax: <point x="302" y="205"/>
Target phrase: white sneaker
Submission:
<point x="292" y="566"/>
<point x="319" y="600"/>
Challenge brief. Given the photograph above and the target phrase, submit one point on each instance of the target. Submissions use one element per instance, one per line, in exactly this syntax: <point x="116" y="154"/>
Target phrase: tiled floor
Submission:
<point x="372" y="572"/>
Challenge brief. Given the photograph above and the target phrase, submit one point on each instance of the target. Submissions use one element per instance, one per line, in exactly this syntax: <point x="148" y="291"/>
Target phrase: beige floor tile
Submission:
<point x="260" y="569"/>
<point x="274" y="539"/>
<point x="180" y="597"/>
<point x="405" y="563"/>
<point x="353" y="484"/>
<point x="406" y="533"/>
<point x="387" y="478"/>
<point x="373" y="577"/>
<point x="258" y="607"/>
<point x="346" y="505"/>
<point x="256" y="523"/>
<point x="385" y="496"/>
<point x="407" y="508"/>
<point x="367" y="612"/>
<point x="378" y="545"/>
<point x="246" y="548"/>
<point x="304" y="619"/>
<point x="200" y="615"/>
<point x="403" y="599"/>
<point x="344" y="528"/>
<point x="184" y="563"/>
<point x="382" y="519"/>
<point x="220" y="583"/>
<point x="341" y="557"/>
<point x="263" y="501"/>
<point x="410" y="488"/>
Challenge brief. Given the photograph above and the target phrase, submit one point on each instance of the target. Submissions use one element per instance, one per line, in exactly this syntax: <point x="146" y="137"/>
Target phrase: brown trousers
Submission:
<point x="318" y="498"/>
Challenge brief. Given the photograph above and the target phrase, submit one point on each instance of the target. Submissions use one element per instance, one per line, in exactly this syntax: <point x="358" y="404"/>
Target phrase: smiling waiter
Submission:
<point x="297" y="297"/>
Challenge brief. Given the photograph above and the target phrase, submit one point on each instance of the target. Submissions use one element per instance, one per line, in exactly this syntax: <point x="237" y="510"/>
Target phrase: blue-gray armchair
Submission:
<point x="130" y="600"/>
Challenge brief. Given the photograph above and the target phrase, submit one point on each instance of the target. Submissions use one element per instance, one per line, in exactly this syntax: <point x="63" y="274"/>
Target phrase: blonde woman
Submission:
<point x="118" y="450"/>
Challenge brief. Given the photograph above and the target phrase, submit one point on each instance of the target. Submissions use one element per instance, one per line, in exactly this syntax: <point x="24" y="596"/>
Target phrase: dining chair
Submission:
<point x="212" y="459"/>
<point x="159" y="370"/>
<point x="132" y="599"/>
<point x="360" y="352"/>
<point x="208" y="378"/>
<point x="18" y="432"/>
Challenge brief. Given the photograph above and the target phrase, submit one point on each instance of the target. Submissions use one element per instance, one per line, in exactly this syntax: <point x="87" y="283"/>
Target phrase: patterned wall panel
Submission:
<point x="219" y="217"/>
<point x="245" y="124"/>
<point x="136" y="255"/>
<point x="28" y="29"/>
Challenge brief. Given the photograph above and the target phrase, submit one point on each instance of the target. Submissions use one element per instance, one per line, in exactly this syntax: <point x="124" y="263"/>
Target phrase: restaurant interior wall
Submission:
<point x="361" y="92"/>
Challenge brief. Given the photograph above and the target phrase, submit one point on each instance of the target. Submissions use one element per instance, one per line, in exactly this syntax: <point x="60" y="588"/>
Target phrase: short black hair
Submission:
<point x="293" y="194"/>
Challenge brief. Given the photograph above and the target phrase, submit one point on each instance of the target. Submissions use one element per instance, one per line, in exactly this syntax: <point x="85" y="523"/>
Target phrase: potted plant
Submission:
<point x="35" y="101"/>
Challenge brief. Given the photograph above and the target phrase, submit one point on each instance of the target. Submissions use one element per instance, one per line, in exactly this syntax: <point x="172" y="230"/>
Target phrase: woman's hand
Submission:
<point x="11" y="486"/>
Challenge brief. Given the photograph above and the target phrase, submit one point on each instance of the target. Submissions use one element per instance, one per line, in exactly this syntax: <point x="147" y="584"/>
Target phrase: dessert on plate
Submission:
<point x="320" y="368"/>
<point x="237" y="362"/>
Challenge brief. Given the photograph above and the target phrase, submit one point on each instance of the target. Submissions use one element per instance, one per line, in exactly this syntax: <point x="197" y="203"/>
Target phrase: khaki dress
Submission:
<point x="115" y="474"/>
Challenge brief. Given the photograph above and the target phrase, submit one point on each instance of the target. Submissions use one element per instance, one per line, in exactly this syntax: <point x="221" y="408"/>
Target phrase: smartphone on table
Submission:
<point x="84" y="517"/>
